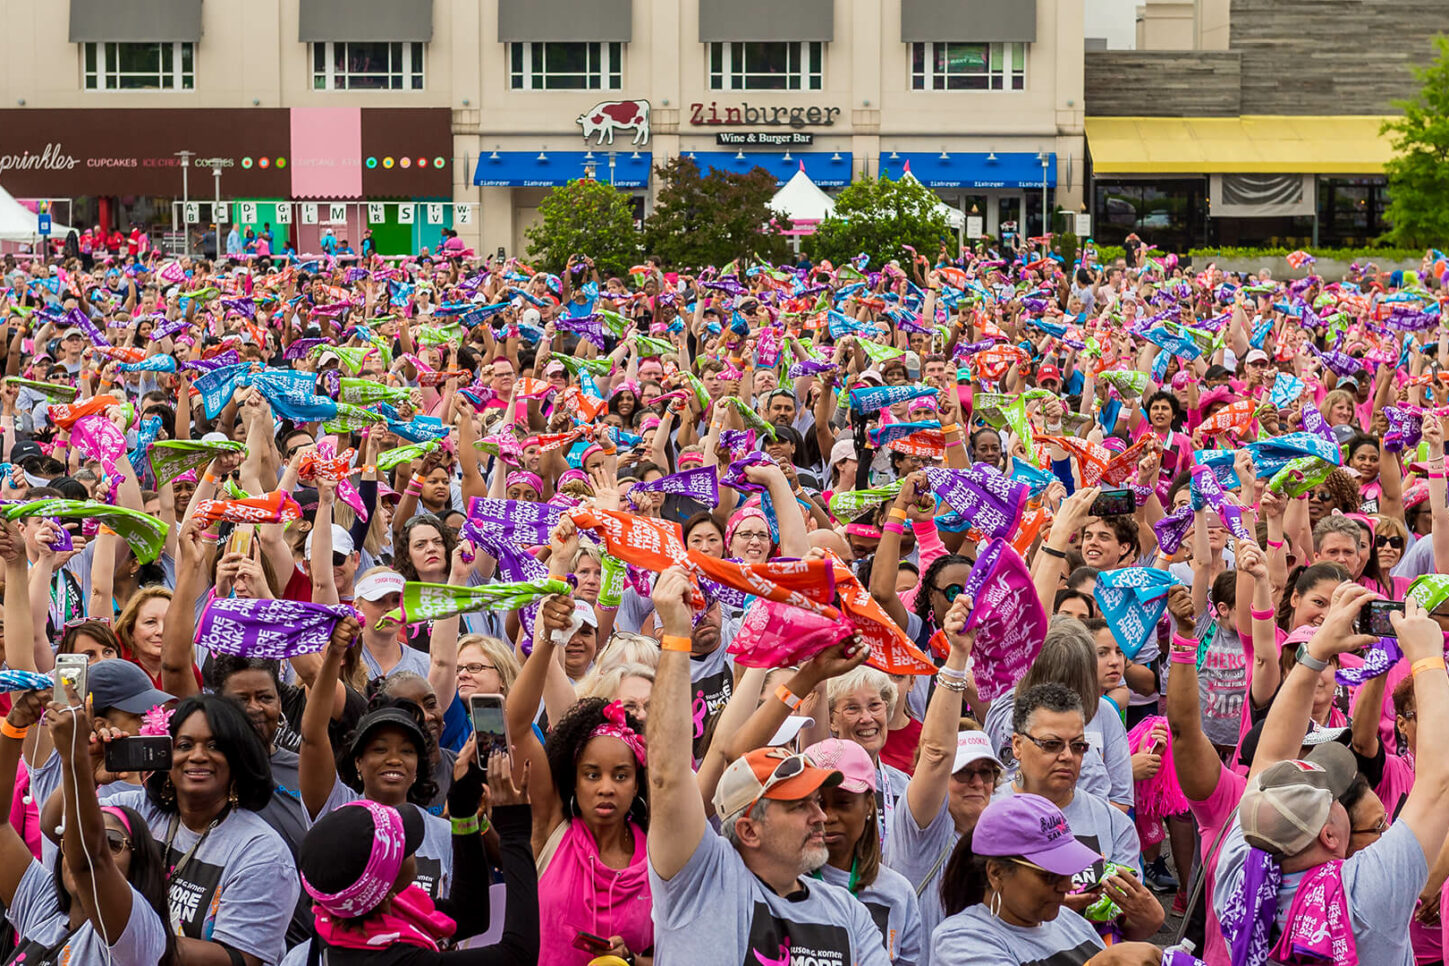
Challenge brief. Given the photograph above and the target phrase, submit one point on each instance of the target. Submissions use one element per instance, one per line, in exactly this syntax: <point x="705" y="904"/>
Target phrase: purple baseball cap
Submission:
<point x="1033" y="828"/>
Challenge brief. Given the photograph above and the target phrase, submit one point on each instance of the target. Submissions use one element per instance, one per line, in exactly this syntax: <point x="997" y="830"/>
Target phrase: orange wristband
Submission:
<point x="1428" y="664"/>
<point x="10" y="731"/>
<point x="788" y="698"/>
<point x="673" y="642"/>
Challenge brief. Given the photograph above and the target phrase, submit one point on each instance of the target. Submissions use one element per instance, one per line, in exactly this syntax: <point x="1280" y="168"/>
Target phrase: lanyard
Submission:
<point x="171" y="828"/>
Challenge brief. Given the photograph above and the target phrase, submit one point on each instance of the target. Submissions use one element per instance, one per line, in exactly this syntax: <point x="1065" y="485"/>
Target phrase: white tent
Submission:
<point x="19" y="224"/>
<point x="802" y="200"/>
<point x="954" y="217"/>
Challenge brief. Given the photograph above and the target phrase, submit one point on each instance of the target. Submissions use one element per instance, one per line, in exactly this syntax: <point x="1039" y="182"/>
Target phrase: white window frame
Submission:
<point x="412" y="52"/>
<point x="609" y="76"/>
<point x="175" y="81"/>
<point x="1003" y="53"/>
<point x="732" y="75"/>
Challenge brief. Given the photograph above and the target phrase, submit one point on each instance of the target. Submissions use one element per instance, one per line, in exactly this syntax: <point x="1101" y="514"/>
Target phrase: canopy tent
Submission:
<point x="955" y="218"/>
<point x="802" y="201"/>
<point x="19" y="224"/>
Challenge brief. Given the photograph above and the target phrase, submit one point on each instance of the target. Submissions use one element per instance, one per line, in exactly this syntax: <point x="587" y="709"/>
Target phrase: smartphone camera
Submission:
<point x="1375" y="617"/>
<point x="1114" y="503"/>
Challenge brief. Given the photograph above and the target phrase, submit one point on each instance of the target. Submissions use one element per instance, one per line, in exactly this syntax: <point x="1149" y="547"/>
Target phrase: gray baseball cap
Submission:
<point x="119" y="684"/>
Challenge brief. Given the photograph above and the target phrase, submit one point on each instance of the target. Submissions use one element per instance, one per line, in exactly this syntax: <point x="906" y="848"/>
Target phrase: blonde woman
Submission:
<point x="628" y="684"/>
<point x="1338" y="408"/>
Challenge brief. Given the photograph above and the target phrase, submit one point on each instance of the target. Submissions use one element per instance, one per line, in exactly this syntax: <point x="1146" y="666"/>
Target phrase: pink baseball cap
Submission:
<point x="848" y="758"/>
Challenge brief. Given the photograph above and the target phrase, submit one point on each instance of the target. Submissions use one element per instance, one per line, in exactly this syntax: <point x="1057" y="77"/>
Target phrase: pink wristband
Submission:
<point x="1275" y="544"/>
<point x="1262" y="615"/>
<point x="1179" y="641"/>
<point x="894" y="526"/>
<point x="1435" y="476"/>
<point x="1183" y="657"/>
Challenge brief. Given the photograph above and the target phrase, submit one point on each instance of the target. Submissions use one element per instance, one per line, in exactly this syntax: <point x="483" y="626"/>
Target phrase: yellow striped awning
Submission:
<point x="1252" y="144"/>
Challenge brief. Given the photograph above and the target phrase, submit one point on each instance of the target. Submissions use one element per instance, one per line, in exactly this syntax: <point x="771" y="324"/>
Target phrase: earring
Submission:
<point x="573" y="806"/>
<point x="168" y="792"/>
<point x="232" y="799"/>
<point x="995" y="905"/>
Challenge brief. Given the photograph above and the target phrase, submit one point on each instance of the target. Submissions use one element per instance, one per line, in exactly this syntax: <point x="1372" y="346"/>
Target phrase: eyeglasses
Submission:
<point x="476" y="669"/>
<point x="117" y="841"/>
<point x="749" y="536"/>
<point x="787" y="769"/>
<point x="1379" y="829"/>
<point x="1382" y="541"/>
<point x="1055" y="746"/>
<point x="970" y="776"/>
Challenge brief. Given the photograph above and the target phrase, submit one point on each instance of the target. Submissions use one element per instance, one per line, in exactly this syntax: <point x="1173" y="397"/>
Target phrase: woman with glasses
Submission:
<point x="1006" y="892"/>
<point x="1391" y="539"/>
<point x="104" y="898"/>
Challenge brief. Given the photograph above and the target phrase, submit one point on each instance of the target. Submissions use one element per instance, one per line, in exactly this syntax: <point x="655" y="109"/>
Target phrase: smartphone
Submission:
<point x="1114" y="503"/>
<point x="70" y="669"/>
<point x="590" y="943"/>
<point x="143" y="753"/>
<point x="1374" y="618"/>
<point x="240" y="541"/>
<point x="490" y="725"/>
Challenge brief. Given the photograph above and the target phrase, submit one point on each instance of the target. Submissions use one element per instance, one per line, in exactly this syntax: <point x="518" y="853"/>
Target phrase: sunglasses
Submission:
<point x="1055" y="746"/>
<point x="1385" y="541"/>
<point x="787" y="769"/>
<point x="1323" y="496"/>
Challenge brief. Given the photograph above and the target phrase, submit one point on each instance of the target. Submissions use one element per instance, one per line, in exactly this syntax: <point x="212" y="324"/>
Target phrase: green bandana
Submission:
<point x="423" y="602"/>
<point x="402" y="454"/>
<point x="350" y="419"/>
<point x="49" y="390"/>
<point x="365" y="392"/>
<point x="145" y="535"/>
<point x="1430" y="590"/>
<point x="171" y="458"/>
<point x="850" y="502"/>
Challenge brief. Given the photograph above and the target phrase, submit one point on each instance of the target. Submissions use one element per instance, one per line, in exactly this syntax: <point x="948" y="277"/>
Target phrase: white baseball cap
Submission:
<point x="973" y="746"/>
<point x="376" y="586"/>
<point x="585" y="610"/>
<point x="341" y="542"/>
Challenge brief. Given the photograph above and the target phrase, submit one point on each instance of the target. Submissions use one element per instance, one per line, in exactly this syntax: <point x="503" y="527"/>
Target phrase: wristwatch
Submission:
<point x="1308" y="660"/>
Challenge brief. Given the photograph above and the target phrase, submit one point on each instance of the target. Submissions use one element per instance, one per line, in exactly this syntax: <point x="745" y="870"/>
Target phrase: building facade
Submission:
<point x="1262" y="122"/>
<point x="304" y="116"/>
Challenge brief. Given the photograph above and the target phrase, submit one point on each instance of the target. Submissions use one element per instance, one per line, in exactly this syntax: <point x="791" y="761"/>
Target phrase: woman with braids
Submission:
<point x="588" y="786"/>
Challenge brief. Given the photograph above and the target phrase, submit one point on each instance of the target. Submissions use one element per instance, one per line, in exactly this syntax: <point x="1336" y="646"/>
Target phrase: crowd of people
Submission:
<point x="977" y="610"/>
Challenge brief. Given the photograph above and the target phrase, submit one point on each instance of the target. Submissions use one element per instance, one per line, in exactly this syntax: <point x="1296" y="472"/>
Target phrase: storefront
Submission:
<point x="1006" y="190"/>
<point x="1293" y="182"/>
<point x="295" y="172"/>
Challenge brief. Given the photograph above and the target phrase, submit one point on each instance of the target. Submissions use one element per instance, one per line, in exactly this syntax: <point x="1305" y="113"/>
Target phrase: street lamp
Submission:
<point x="216" y="210"/>
<point x="613" y="159"/>
<point x="185" y="157"/>
<point x="1044" y="158"/>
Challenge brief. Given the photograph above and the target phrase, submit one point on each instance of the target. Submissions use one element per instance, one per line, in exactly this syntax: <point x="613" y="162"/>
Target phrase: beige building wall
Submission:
<point x="249" y="55"/>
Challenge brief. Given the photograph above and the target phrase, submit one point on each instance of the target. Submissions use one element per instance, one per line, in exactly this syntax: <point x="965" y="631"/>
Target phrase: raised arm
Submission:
<point x="1423" y="646"/>
<point x="930" y="785"/>
<point x="1196" y="762"/>
<point x="317" y="768"/>
<point x="443" y="645"/>
<point x="676" y="812"/>
<point x="888" y="552"/>
<point x="195" y="546"/>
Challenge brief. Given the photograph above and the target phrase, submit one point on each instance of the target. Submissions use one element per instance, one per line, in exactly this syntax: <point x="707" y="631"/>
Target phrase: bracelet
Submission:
<point x="1435" y="476"/>
<point x="369" y="469"/>
<point x="894" y="526"/>
<point x="952" y="442"/>
<point x="950" y="428"/>
<point x="957" y="686"/>
<point x="10" y="731"/>
<point x="674" y="642"/>
<point x="1185" y="642"/>
<point x="464" y="826"/>
<point x="1262" y="615"/>
<point x="1182" y="655"/>
<point x="1053" y="552"/>
<point x="948" y="672"/>
<point x="897" y="513"/>
<point x="1422" y="664"/>
<point x="213" y="537"/>
<point x="1275" y="544"/>
<point x="788" y="698"/>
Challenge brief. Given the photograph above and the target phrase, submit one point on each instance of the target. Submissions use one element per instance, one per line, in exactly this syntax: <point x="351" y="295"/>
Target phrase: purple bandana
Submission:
<point x="270" y="629"/>
<point x="515" y="521"/>
<point x="735" y="478"/>
<point x="1172" y="529"/>
<point x="1378" y="659"/>
<point x="990" y="502"/>
<point x="1205" y="485"/>
<point x="701" y="484"/>
<point x="1247" y="918"/>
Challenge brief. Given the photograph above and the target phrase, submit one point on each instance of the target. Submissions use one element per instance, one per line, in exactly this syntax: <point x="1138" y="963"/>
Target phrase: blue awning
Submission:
<point x="548" y="169"/>
<point x="826" y="169"/>
<point x="967" y="170"/>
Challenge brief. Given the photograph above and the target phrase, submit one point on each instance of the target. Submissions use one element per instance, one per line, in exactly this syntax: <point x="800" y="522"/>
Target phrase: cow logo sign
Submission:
<point x="604" y="118"/>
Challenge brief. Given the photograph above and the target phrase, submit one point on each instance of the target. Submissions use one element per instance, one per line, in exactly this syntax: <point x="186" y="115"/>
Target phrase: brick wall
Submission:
<point x="1163" y="83"/>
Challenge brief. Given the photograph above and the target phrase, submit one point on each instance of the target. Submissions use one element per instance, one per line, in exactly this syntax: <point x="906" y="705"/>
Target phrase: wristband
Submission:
<point x="1275" y="544"/>
<point x="464" y="826"/>
<point x="213" y="537"/>
<point x="894" y="526"/>
<point x="1262" y="615"/>
<point x="792" y="700"/>
<point x="947" y="672"/>
<point x="369" y="469"/>
<point x="1053" y="552"/>
<point x="1422" y="664"/>
<point x="952" y="442"/>
<point x="208" y="477"/>
<point x="10" y="731"/>
<point x="949" y="428"/>
<point x="1181" y="655"/>
<point x="484" y="824"/>
<point x="674" y="642"/>
<point x="897" y="513"/>
<point x="1435" y="476"/>
<point x="1185" y="642"/>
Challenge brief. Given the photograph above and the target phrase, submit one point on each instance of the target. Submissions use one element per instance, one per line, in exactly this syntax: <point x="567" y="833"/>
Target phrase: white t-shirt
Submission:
<point x="37" y="918"/>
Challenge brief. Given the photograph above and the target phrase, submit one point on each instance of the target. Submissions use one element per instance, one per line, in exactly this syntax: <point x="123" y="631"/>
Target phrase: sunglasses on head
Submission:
<point x="787" y="769"/>
<point x="1384" y="540"/>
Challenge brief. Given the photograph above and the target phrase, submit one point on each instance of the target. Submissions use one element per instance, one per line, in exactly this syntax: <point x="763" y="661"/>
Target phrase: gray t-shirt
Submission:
<point x="434" y="856"/>
<point x="891" y="902"/>
<point x="37" y="919"/>
<point x="412" y="660"/>
<point x="716" y="903"/>
<point x="1107" y="766"/>
<point x="240" y="886"/>
<point x="1382" y="883"/>
<point x="974" y="937"/>
<point x="918" y="853"/>
<point x="1100" y="826"/>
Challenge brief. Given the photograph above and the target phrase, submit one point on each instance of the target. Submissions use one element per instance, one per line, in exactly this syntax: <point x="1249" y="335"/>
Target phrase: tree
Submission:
<point x="589" y="218"/>
<point x="712" y="219"/>
<point x="1419" y="171"/>
<point x="880" y="217"/>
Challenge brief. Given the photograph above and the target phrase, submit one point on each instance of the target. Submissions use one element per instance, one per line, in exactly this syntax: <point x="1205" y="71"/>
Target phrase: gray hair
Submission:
<point x="1068" y="657"/>
<point x="1051" y="696"/>
<point x="1336" y="523"/>
<point x="864" y="677"/>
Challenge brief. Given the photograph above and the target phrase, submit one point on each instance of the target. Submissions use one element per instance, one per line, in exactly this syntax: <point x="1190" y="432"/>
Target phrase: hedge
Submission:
<point x="1107" y="254"/>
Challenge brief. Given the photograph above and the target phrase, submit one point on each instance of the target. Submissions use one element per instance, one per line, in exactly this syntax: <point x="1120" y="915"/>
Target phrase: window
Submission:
<point x="139" y="67"/>
<point x="968" y="67"/>
<point x="566" y="66"/>
<point x="367" y="66"/>
<point x="766" y="66"/>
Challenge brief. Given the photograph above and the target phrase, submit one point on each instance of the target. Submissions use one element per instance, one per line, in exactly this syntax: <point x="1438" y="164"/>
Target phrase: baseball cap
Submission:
<point x="972" y="746"/>
<point x="376" y="586"/>
<point x="844" y="449"/>
<point x="913" y="364"/>
<point x="215" y="437"/>
<point x="586" y="610"/>
<point x="1048" y="371"/>
<point x="341" y="542"/>
<point x="119" y="684"/>
<point x="388" y="716"/>
<point x="350" y="858"/>
<point x="24" y="449"/>
<point x="773" y="773"/>
<point x="1256" y="355"/>
<point x="848" y="758"/>
<point x="1342" y="433"/>
<point x="73" y="331"/>
<point x="1286" y="805"/>
<point x="872" y="374"/>
<point x="789" y="729"/>
<point x="1033" y="828"/>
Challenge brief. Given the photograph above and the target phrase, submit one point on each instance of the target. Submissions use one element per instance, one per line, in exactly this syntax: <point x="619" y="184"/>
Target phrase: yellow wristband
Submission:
<point x="673" y="642"/>
<point x="897" y="513"/>
<point x="1427" y="664"/>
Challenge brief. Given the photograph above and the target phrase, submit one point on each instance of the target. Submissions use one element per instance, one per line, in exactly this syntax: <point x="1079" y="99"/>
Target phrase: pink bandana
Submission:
<point x="389" y="845"/>
<point x="1319" y="928"/>
<point x="615" y="725"/>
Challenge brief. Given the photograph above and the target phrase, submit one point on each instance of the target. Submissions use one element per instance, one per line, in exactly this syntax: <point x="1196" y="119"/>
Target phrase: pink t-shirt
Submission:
<point x="1211" y="814"/>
